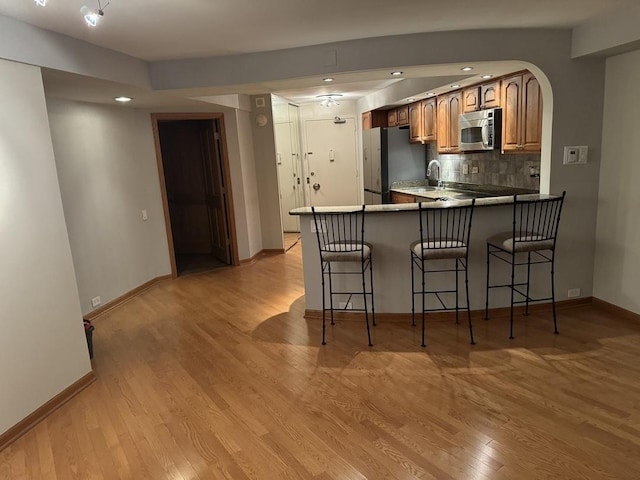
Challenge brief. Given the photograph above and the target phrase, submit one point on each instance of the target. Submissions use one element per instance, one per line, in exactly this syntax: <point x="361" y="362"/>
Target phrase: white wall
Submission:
<point x="43" y="349"/>
<point x="617" y="265"/>
<point x="106" y="161"/>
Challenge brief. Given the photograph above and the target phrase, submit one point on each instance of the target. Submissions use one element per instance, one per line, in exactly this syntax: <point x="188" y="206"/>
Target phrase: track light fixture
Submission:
<point x="328" y="100"/>
<point x="92" y="17"/>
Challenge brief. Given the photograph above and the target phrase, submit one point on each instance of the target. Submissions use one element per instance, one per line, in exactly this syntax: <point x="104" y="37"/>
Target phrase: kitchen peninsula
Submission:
<point x="390" y="228"/>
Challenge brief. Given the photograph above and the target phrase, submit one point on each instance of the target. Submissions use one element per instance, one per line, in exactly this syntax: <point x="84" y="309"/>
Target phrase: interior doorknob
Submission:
<point x="316" y="186"/>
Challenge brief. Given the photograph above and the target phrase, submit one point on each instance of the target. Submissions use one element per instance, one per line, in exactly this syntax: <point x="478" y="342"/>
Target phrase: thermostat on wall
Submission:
<point x="575" y="155"/>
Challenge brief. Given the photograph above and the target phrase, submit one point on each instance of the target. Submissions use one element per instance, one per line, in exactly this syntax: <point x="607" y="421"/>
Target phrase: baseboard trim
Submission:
<point x="615" y="310"/>
<point x="448" y="316"/>
<point x="45" y="410"/>
<point x="261" y="253"/>
<point x="93" y="314"/>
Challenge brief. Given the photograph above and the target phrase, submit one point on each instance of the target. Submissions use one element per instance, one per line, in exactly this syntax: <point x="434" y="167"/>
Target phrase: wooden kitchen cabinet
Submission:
<point x="373" y="119"/>
<point x="521" y="113"/>
<point x="403" y="116"/>
<point x="490" y="95"/>
<point x="471" y="99"/>
<point x="415" y="123"/>
<point x="448" y="109"/>
<point x="392" y="117"/>
<point x="428" y="108"/>
<point x="397" y="197"/>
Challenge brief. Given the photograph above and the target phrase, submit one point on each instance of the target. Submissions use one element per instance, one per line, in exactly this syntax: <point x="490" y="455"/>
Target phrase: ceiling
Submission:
<point x="155" y="30"/>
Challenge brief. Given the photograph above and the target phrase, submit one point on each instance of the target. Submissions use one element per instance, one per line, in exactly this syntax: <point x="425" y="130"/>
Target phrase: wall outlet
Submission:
<point x="345" y="306"/>
<point x="145" y="215"/>
<point x="573" y="292"/>
<point x="95" y="301"/>
<point x="474" y="170"/>
<point x="575" y="155"/>
<point x="465" y="169"/>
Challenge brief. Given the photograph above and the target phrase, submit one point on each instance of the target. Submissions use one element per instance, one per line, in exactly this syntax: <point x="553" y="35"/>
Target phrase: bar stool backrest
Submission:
<point x="535" y="223"/>
<point x="341" y="235"/>
<point x="445" y="227"/>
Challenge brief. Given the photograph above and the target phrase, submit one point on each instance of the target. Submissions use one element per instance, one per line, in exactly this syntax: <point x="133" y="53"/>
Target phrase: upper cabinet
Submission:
<point x="403" y="115"/>
<point x="392" y="117"/>
<point x="415" y="123"/>
<point x="521" y="113"/>
<point x="429" y="108"/>
<point x="490" y="95"/>
<point x="373" y="119"/>
<point x="471" y="99"/>
<point x="449" y="109"/>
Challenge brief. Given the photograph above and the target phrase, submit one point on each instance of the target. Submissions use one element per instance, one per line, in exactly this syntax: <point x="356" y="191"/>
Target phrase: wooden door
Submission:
<point x="392" y="117"/>
<point x="403" y="115"/>
<point x="429" y="119"/>
<point x="455" y="107"/>
<point x="191" y="158"/>
<point x="443" y="123"/>
<point x="415" y="123"/>
<point x="511" y="112"/>
<point x="366" y="120"/>
<point x="531" y="130"/>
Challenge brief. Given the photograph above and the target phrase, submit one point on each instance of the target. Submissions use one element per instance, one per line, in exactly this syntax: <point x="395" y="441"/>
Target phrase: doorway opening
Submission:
<point x="196" y="190"/>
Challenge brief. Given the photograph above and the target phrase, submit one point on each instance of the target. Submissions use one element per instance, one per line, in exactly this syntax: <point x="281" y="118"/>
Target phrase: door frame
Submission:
<point x="226" y="175"/>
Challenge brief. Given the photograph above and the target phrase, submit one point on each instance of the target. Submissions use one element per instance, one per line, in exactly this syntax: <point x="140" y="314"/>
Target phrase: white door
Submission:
<point x="332" y="163"/>
<point x="287" y="176"/>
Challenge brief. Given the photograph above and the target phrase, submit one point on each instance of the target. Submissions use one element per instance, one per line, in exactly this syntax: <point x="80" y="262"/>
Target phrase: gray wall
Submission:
<point x="107" y="170"/>
<point x="42" y="346"/>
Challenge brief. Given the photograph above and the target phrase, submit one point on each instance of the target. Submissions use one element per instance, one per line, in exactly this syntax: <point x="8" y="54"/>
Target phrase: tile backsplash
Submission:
<point x="494" y="168"/>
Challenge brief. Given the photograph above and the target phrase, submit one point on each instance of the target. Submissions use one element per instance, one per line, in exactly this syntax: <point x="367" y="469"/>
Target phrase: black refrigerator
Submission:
<point x="389" y="157"/>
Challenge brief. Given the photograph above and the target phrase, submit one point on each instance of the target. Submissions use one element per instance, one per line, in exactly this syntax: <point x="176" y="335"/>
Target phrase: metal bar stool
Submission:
<point x="444" y="235"/>
<point x="341" y="241"/>
<point x="534" y="235"/>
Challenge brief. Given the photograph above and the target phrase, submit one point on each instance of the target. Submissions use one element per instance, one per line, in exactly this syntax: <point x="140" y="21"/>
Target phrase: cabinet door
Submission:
<point x="366" y="120"/>
<point x="428" y="119"/>
<point x="392" y="117"/>
<point x="490" y="95"/>
<point x="415" y="123"/>
<point x="403" y="115"/>
<point x="471" y="99"/>
<point x="511" y="112"/>
<point x="455" y="107"/>
<point x="443" y="124"/>
<point x="397" y="197"/>
<point x="531" y="129"/>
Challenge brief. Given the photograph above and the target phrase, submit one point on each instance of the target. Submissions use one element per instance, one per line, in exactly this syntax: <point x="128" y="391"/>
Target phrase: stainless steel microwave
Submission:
<point x="480" y="130"/>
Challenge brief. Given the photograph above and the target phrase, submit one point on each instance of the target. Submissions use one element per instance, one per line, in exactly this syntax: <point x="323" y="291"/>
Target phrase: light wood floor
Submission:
<point x="218" y="375"/>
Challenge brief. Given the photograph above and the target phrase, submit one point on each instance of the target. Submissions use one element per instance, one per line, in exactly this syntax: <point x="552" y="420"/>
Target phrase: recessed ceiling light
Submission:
<point x="430" y="94"/>
<point x="396" y="73"/>
<point x="40" y="2"/>
<point x="487" y="76"/>
<point x="328" y="79"/>
<point x="455" y="86"/>
<point x="123" y="99"/>
<point x="410" y="99"/>
<point x="466" y="69"/>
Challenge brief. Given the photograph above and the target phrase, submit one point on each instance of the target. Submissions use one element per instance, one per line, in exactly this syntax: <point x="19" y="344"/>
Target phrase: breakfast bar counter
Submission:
<point x="391" y="228"/>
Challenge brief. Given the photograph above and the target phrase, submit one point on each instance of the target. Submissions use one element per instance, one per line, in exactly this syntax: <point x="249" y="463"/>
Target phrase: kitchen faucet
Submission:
<point x="435" y="164"/>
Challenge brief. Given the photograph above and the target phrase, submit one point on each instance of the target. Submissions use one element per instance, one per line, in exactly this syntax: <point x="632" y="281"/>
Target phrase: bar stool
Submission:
<point x="534" y="235"/>
<point x="444" y="235"/>
<point x="341" y="241"/>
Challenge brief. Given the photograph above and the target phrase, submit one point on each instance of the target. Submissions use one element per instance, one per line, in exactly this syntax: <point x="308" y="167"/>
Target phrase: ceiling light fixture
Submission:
<point x="466" y="69"/>
<point x="42" y="3"/>
<point x="92" y="17"/>
<point x="123" y="99"/>
<point x="486" y="76"/>
<point x="328" y="79"/>
<point x="328" y="100"/>
<point x="455" y="86"/>
<point x="396" y="73"/>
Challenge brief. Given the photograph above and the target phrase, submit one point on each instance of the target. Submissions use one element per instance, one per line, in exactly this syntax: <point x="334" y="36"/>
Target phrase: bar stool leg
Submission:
<point x="486" y="305"/>
<point x="466" y="285"/>
<point x="513" y="280"/>
<point x="373" y="308"/>
<point x="423" y="300"/>
<point x="366" y="312"/>
<point x="324" y="307"/>
<point x="330" y="293"/>
<point x="413" y="296"/>
<point x="457" y="303"/>
<point x="553" y="295"/>
<point x="526" y="308"/>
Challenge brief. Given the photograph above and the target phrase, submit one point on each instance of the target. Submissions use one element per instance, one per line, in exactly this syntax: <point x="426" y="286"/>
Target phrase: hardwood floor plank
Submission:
<point x="218" y="375"/>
